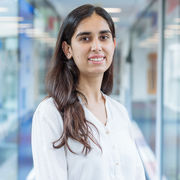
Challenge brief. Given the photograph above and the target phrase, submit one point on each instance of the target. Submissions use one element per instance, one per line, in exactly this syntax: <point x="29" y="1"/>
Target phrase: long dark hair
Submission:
<point x="62" y="81"/>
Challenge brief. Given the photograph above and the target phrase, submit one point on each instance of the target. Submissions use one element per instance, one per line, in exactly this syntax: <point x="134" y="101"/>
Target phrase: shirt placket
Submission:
<point x="115" y="173"/>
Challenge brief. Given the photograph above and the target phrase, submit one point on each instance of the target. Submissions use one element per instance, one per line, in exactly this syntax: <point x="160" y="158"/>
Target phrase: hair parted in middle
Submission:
<point x="62" y="81"/>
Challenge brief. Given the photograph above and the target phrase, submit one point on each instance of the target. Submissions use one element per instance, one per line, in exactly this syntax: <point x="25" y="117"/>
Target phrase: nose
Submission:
<point x="96" y="45"/>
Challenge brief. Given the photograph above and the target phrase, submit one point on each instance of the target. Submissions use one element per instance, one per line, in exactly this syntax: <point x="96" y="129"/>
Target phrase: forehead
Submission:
<point x="94" y="23"/>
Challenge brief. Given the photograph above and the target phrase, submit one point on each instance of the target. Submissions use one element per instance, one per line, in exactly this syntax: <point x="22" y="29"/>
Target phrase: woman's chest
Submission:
<point x="116" y="146"/>
<point x="116" y="157"/>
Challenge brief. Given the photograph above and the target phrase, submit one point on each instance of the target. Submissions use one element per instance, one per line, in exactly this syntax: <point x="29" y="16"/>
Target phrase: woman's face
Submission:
<point x="92" y="46"/>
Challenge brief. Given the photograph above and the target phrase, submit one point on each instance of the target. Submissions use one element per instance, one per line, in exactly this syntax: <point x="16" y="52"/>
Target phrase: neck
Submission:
<point x="91" y="88"/>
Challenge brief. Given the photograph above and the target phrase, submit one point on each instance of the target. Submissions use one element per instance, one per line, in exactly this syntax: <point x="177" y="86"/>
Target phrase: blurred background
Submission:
<point x="146" y="77"/>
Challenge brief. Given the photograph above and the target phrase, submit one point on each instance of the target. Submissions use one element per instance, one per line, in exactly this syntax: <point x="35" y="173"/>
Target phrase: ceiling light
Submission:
<point x="24" y="25"/>
<point x="177" y="20"/>
<point x="173" y="26"/>
<point x="11" y="18"/>
<point x="113" y="10"/>
<point x="8" y="25"/>
<point x="2" y="9"/>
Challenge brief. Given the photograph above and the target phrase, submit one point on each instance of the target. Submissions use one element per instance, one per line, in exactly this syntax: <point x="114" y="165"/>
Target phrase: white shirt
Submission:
<point x="119" y="159"/>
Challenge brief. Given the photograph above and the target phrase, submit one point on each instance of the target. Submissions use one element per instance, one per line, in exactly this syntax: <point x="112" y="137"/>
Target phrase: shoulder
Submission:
<point x="116" y="105"/>
<point x="47" y="106"/>
<point x="119" y="115"/>
<point x="118" y="111"/>
<point x="47" y="112"/>
<point x="47" y="124"/>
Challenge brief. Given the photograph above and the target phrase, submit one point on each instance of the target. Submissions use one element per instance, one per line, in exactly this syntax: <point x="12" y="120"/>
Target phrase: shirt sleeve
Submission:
<point x="47" y="127"/>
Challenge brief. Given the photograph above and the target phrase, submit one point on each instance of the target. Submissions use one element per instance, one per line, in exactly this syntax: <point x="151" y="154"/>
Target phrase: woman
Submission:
<point x="79" y="132"/>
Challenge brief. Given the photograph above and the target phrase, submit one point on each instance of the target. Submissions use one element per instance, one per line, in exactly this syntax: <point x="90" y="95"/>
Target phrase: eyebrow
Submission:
<point x="88" y="33"/>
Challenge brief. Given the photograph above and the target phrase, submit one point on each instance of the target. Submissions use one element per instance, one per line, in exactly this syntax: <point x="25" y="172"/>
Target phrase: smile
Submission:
<point x="97" y="59"/>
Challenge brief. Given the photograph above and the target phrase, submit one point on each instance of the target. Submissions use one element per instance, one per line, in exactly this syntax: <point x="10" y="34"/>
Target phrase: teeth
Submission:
<point x="96" y="59"/>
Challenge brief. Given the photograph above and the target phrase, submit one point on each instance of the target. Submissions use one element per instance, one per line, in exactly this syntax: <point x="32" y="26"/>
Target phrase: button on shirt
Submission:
<point x="118" y="160"/>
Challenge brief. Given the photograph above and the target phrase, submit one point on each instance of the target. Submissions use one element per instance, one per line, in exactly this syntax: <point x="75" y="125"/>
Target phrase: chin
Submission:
<point x="98" y="72"/>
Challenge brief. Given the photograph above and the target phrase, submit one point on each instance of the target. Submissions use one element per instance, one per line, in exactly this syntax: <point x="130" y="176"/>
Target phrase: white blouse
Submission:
<point x="118" y="160"/>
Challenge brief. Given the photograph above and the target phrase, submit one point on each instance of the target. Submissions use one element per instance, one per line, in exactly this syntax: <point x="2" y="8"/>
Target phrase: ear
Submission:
<point x="114" y="42"/>
<point x="67" y="49"/>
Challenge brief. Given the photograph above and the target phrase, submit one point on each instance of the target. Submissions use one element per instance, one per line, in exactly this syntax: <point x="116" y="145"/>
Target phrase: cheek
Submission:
<point x="78" y="58"/>
<point x="112" y="47"/>
<point x="111" y="50"/>
<point x="79" y="53"/>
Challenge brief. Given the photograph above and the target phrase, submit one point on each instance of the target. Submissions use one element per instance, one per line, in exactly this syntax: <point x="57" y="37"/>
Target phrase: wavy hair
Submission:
<point x="62" y="80"/>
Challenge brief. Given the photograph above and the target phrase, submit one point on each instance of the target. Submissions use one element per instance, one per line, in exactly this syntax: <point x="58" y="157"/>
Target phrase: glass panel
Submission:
<point x="143" y="83"/>
<point x="8" y="90"/>
<point x="25" y="89"/>
<point x="36" y="40"/>
<point x="171" y="113"/>
<point x="144" y="62"/>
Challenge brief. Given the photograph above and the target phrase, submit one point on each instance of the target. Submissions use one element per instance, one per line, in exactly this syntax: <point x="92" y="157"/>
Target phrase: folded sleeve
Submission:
<point x="139" y="172"/>
<point x="47" y="127"/>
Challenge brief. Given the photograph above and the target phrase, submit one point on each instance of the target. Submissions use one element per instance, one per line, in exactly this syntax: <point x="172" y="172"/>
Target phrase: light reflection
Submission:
<point x="11" y="19"/>
<point x="3" y="9"/>
<point x="174" y="26"/>
<point x="113" y="10"/>
<point x="177" y="20"/>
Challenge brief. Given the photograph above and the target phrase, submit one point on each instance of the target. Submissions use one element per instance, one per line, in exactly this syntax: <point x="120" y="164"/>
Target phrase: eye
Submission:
<point x="85" y="38"/>
<point x="104" y="37"/>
